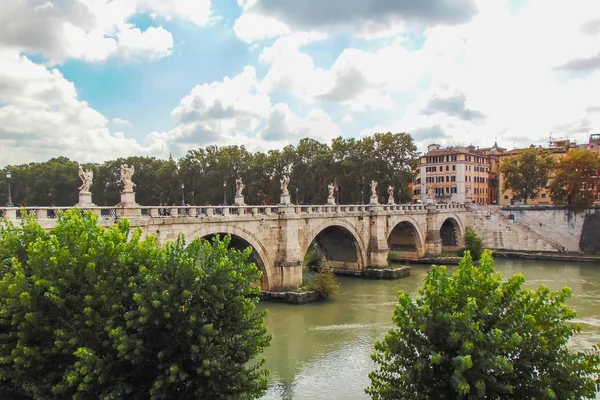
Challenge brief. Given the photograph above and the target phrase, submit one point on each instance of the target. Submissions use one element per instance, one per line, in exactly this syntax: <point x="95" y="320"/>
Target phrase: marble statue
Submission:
<point x="285" y="181"/>
<point x="391" y="191"/>
<point x="331" y="188"/>
<point x="239" y="186"/>
<point x="431" y="193"/>
<point x="87" y="177"/>
<point x="373" y="189"/>
<point x="126" y="174"/>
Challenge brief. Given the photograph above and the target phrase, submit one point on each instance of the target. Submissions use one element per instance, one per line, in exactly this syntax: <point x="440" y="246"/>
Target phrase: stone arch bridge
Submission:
<point x="351" y="237"/>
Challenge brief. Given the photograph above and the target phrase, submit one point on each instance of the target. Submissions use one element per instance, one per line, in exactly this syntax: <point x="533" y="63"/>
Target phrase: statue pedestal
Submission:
<point x="331" y="200"/>
<point x="239" y="201"/>
<point x="374" y="200"/>
<point x="128" y="199"/>
<point x="85" y="200"/>
<point x="128" y="207"/>
<point x="391" y="200"/>
<point x="285" y="199"/>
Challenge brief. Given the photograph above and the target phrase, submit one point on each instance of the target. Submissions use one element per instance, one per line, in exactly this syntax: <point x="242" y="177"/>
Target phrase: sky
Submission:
<point x="94" y="80"/>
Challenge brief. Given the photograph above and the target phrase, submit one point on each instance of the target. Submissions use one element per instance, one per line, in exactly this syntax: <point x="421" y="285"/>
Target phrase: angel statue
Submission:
<point x="285" y="181"/>
<point x="331" y="188"/>
<point x="239" y="186"/>
<point x="391" y="191"/>
<point x="373" y="189"/>
<point x="87" y="177"/>
<point x="126" y="174"/>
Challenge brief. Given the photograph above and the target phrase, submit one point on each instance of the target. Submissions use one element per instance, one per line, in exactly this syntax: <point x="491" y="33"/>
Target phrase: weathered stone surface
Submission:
<point x="386" y="273"/>
<point x="291" y="297"/>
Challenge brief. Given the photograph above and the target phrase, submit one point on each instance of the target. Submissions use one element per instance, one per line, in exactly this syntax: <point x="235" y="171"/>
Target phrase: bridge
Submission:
<point x="351" y="237"/>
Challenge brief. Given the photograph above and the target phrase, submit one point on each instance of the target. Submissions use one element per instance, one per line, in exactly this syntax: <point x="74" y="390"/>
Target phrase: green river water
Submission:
<point x="321" y="350"/>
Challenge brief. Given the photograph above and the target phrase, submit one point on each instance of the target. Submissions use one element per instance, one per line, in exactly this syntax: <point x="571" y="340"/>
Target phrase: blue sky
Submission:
<point x="153" y="77"/>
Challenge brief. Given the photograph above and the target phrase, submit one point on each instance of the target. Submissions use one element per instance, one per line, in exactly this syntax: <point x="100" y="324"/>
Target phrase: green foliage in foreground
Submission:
<point x="324" y="282"/>
<point x="473" y="244"/>
<point x="94" y="313"/>
<point x="472" y="336"/>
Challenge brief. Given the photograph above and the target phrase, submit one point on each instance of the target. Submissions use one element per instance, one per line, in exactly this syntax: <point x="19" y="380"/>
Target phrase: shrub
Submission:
<point x="324" y="282"/>
<point x="472" y="336"/>
<point x="473" y="244"/>
<point x="86" y="313"/>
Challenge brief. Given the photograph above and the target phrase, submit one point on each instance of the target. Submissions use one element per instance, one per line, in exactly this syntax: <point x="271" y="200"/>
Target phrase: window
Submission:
<point x="453" y="179"/>
<point x="543" y="195"/>
<point x="447" y="168"/>
<point x="454" y="167"/>
<point x="505" y="197"/>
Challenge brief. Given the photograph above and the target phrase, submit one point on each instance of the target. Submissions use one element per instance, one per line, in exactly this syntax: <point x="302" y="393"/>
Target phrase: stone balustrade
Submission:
<point x="51" y="213"/>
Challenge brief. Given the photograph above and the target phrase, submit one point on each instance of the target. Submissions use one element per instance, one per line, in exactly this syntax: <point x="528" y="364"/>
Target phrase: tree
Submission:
<point x="527" y="173"/>
<point x="473" y="244"/>
<point x="86" y="313"/>
<point x="576" y="175"/>
<point x="472" y="336"/>
<point x="324" y="281"/>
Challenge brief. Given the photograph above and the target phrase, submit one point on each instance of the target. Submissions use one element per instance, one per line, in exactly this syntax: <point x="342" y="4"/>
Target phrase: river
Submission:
<point x="321" y="350"/>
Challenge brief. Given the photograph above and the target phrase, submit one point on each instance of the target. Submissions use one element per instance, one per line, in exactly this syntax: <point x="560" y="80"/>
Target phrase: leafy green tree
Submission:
<point x="471" y="335"/>
<point x="473" y="244"/>
<point x="324" y="282"/>
<point x="527" y="173"/>
<point x="576" y="175"/>
<point x="88" y="313"/>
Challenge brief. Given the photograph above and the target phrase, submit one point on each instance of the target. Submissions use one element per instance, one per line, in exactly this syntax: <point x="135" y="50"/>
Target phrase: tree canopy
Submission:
<point x="526" y="173"/>
<point x="88" y="312"/>
<point x="574" y="179"/>
<point x="350" y="163"/>
<point x="471" y="335"/>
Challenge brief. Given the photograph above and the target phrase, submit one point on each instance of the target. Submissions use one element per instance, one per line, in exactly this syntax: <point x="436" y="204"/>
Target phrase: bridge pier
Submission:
<point x="378" y="241"/>
<point x="433" y="239"/>
<point x="289" y="258"/>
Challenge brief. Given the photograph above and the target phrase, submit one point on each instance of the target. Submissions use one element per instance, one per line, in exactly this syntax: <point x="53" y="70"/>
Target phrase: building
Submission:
<point x="457" y="174"/>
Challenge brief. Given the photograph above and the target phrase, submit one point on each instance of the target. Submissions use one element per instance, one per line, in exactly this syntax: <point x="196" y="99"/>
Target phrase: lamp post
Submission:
<point x="400" y="195"/>
<point x="9" y="203"/>
<point x="297" y="201"/>
<point x="182" y="194"/>
<point x="224" y="193"/>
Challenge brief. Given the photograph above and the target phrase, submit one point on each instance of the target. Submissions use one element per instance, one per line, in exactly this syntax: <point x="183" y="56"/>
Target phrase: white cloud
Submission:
<point x="93" y="30"/>
<point x="121" y="121"/>
<point x="237" y="111"/>
<point x="44" y="118"/>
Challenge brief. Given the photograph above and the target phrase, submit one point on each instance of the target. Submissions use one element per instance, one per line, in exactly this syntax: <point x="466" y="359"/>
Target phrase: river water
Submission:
<point x="321" y="350"/>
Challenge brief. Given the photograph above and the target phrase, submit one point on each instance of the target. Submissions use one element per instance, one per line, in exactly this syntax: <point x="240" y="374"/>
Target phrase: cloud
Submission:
<point x="454" y="106"/>
<point x="430" y="133"/>
<point x="93" y="31"/>
<point x="45" y="118"/>
<point x="121" y="121"/>
<point x="591" y="27"/>
<point x="366" y="16"/>
<point x="237" y="111"/>
<point x="582" y="64"/>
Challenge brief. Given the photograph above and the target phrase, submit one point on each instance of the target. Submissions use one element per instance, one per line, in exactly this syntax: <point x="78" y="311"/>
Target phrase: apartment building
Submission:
<point x="457" y="174"/>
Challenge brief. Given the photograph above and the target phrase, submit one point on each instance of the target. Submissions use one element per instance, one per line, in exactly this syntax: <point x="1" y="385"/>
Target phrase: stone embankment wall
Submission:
<point x="535" y="228"/>
<point x="498" y="232"/>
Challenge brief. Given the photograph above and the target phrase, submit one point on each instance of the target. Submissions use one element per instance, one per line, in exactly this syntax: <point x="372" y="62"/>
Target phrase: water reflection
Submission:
<point x="322" y="350"/>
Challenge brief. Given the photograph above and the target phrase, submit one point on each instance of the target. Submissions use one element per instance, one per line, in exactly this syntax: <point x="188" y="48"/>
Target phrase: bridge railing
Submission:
<point x="51" y="213"/>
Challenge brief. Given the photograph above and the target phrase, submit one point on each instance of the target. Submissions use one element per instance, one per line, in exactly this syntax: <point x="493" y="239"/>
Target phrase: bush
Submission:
<point x="312" y="259"/>
<point x="472" y="336"/>
<point x="324" y="282"/>
<point x="473" y="244"/>
<point x="86" y="313"/>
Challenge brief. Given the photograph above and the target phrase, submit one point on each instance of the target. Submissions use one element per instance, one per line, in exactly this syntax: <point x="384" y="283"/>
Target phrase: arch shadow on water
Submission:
<point x="340" y="247"/>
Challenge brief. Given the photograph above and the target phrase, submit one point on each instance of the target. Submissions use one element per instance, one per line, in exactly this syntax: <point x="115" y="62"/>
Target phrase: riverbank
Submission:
<point x="544" y="256"/>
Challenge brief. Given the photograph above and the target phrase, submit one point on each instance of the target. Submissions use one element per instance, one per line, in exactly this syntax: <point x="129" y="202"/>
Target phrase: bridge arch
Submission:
<point x="238" y="237"/>
<point x="326" y="234"/>
<point x="405" y="238"/>
<point x="451" y="232"/>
